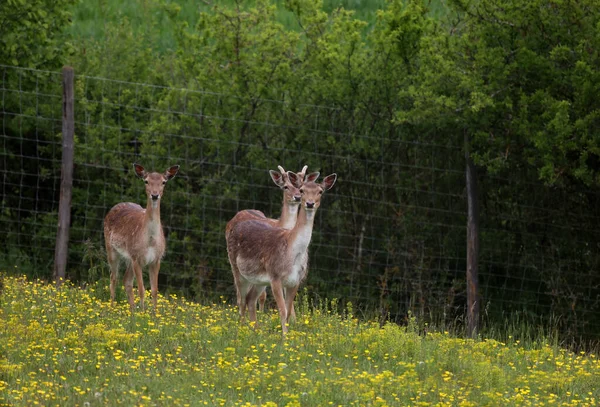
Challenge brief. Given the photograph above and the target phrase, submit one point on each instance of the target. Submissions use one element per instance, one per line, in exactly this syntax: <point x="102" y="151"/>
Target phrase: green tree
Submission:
<point x="518" y="79"/>
<point x="30" y="32"/>
<point x="30" y="37"/>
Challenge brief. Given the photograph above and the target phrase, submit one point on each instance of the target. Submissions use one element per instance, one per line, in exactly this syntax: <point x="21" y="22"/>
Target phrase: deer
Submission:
<point x="289" y="210"/>
<point x="135" y="234"/>
<point x="262" y="255"/>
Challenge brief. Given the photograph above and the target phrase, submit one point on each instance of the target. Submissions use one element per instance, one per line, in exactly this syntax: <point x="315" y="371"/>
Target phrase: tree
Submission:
<point x="30" y="37"/>
<point x="518" y="78"/>
<point x="30" y="32"/>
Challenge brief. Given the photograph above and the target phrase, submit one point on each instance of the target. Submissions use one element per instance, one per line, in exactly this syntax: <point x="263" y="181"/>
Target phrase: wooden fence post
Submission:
<point x="472" y="244"/>
<point x="66" y="183"/>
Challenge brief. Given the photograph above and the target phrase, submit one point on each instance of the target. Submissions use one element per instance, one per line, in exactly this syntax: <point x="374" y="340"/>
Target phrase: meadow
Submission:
<point x="69" y="346"/>
<point x="149" y="19"/>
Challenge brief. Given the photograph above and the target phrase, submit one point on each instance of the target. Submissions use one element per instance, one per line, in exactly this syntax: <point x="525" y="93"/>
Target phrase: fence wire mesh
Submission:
<point x="390" y="236"/>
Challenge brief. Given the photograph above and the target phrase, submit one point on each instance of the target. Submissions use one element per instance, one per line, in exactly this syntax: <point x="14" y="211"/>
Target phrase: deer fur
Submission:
<point x="135" y="234"/>
<point x="289" y="210"/>
<point x="262" y="255"/>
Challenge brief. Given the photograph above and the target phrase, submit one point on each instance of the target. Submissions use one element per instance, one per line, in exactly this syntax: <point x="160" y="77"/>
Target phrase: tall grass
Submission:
<point x="149" y="20"/>
<point x="69" y="347"/>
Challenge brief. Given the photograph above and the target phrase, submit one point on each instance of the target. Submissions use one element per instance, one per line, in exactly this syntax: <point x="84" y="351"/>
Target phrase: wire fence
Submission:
<point x="390" y="236"/>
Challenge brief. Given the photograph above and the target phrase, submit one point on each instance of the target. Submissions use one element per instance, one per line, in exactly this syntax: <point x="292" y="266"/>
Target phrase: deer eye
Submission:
<point x="285" y="187"/>
<point x="146" y="181"/>
<point x="320" y="192"/>
<point x="164" y="182"/>
<point x="301" y="190"/>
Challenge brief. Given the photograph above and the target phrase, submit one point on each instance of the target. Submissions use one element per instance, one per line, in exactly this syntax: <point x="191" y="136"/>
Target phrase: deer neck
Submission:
<point x="289" y="214"/>
<point x="152" y="217"/>
<point x="301" y="233"/>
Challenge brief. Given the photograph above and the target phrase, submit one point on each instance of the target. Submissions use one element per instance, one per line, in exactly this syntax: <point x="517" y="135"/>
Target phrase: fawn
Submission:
<point x="289" y="211"/>
<point x="136" y="235"/>
<point x="262" y="255"/>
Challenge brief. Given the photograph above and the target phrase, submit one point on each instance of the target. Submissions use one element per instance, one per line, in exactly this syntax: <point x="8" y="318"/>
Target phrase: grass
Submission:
<point x="148" y="19"/>
<point x="69" y="347"/>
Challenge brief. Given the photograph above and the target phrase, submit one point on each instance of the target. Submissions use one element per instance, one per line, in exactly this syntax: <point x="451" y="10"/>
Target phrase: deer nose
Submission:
<point x="310" y="205"/>
<point x="155" y="197"/>
<point x="297" y="198"/>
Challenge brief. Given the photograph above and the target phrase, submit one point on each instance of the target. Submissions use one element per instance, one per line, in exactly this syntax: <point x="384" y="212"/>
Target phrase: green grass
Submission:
<point x="148" y="19"/>
<point x="68" y="347"/>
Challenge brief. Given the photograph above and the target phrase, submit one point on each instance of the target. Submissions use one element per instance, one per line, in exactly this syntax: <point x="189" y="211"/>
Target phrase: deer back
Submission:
<point x="129" y="231"/>
<point x="291" y="199"/>
<point x="259" y="249"/>
<point x="134" y="232"/>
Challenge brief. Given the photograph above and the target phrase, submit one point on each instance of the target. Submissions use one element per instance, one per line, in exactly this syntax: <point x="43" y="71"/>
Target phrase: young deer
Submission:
<point x="136" y="234"/>
<point x="262" y="255"/>
<point x="289" y="210"/>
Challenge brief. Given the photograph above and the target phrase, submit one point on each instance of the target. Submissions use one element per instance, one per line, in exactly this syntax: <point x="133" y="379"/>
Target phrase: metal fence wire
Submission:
<point x="390" y="236"/>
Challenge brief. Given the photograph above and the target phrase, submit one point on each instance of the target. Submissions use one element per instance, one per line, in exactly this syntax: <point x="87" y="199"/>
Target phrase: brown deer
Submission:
<point x="136" y="235"/>
<point x="289" y="210"/>
<point x="262" y="255"/>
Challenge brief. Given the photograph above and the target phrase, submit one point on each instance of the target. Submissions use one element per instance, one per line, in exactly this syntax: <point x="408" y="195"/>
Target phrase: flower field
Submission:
<point x="69" y="347"/>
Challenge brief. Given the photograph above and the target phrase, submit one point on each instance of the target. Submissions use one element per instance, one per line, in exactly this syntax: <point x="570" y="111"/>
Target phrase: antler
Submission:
<point x="283" y="172"/>
<point x="303" y="172"/>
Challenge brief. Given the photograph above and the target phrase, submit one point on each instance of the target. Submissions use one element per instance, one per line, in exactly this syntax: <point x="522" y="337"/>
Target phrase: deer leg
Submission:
<point x="291" y="312"/>
<point x="251" y="298"/>
<point x="277" y="289"/>
<point x="137" y="269"/>
<point x="290" y="294"/>
<point x="251" y="303"/>
<point x="238" y="286"/>
<point x="153" y="271"/>
<point x="261" y="300"/>
<point x="243" y="287"/>
<point x="128" y="282"/>
<point x="113" y="264"/>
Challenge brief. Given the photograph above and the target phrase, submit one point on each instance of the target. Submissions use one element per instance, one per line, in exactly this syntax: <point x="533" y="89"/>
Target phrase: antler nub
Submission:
<point x="303" y="172"/>
<point x="283" y="172"/>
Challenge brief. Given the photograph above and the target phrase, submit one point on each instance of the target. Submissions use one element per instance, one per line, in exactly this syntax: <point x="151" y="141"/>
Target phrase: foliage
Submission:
<point x="232" y="89"/>
<point x="523" y="92"/>
<point x="68" y="347"/>
<point x="30" y="32"/>
<point x="520" y="93"/>
<point x="30" y="37"/>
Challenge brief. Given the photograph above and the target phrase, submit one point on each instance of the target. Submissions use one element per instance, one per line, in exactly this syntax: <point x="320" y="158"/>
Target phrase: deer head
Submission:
<point x="155" y="182"/>
<point x="311" y="191"/>
<point x="291" y="192"/>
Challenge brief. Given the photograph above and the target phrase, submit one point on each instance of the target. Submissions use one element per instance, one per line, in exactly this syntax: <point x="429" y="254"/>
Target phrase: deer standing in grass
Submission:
<point x="136" y="235"/>
<point x="262" y="255"/>
<point x="289" y="210"/>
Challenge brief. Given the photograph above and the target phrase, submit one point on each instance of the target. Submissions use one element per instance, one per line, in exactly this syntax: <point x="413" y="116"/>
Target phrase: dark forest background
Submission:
<point x="389" y="96"/>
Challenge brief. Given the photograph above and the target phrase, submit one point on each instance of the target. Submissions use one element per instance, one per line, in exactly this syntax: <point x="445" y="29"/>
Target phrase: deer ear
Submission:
<point x="294" y="179"/>
<point x="328" y="181"/>
<point x="312" y="177"/>
<point x="303" y="172"/>
<point x="139" y="170"/>
<point x="171" y="172"/>
<point x="277" y="178"/>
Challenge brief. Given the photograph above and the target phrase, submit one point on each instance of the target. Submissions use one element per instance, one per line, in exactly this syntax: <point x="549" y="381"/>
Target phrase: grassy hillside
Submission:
<point x="70" y="347"/>
<point x="149" y="19"/>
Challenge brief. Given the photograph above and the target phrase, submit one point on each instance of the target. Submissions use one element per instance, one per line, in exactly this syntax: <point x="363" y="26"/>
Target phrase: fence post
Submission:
<point x="472" y="244"/>
<point x="66" y="182"/>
